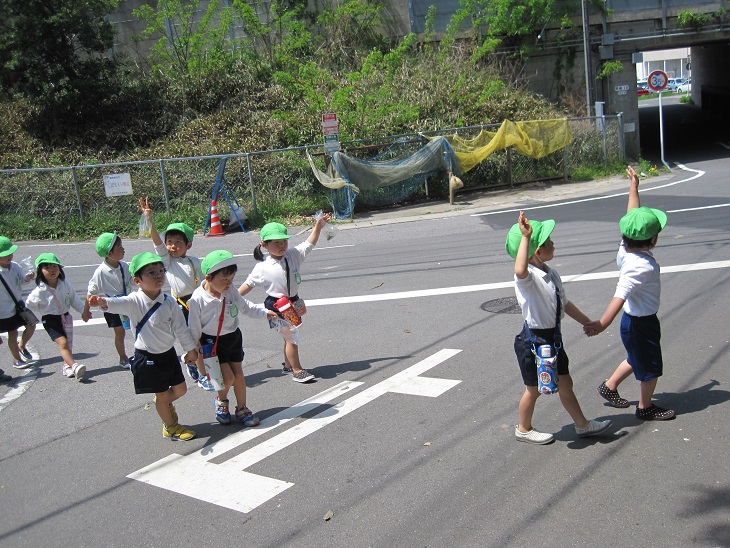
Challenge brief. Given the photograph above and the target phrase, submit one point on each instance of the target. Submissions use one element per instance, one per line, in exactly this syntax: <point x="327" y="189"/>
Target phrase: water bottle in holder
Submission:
<point x="285" y="307"/>
<point x="212" y="366"/>
<point x="546" y="359"/>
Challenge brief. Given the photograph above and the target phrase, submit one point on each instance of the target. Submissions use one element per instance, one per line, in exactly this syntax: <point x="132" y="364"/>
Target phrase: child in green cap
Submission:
<point x="637" y="293"/>
<point x="11" y="287"/>
<point x="112" y="279"/>
<point x="183" y="271"/>
<point x="279" y="275"/>
<point x="542" y="299"/>
<point x="213" y="321"/>
<point x="157" y="322"/>
<point x="51" y="300"/>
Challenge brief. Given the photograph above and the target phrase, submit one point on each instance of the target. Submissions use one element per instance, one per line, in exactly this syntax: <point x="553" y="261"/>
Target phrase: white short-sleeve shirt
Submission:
<point x="536" y="295"/>
<point x="639" y="282"/>
<point x="271" y="273"/>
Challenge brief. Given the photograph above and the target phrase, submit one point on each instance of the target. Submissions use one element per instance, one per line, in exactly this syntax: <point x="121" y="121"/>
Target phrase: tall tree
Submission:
<point x="48" y="47"/>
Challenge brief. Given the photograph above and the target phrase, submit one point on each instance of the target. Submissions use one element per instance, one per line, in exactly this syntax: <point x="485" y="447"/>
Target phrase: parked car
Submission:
<point x="674" y="83"/>
<point x="640" y="92"/>
<point x="686" y="87"/>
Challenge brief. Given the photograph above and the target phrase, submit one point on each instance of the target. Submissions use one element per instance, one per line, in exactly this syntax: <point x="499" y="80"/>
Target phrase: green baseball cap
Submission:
<point x="273" y="231"/>
<point x="540" y="233"/>
<point x="141" y="260"/>
<point x="180" y="227"/>
<point x="6" y="247"/>
<point x="642" y="223"/>
<point x="48" y="258"/>
<point x="216" y="260"/>
<point x="104" y="243"/>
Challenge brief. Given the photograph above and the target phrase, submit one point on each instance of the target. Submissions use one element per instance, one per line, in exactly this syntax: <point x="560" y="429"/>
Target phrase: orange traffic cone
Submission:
<point x="215" y="221"/>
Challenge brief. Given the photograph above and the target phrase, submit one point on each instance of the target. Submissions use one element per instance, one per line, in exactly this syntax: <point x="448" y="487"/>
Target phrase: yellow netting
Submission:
<point x="536" y="138"/>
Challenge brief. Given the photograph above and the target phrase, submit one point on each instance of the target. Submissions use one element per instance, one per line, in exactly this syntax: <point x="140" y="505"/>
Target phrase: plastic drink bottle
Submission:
<point x="284" y="306"/>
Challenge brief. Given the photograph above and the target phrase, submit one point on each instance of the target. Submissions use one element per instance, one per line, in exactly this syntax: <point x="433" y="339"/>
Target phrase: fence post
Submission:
<point x="250" y="182"/>
<point x="566" y="169"/>
<point x="603" y="132"/>
<point x="164" y="187"/>
<point x="78" y="194"/>
<point x="621" y="141"/>
<point x="509" y="167"/>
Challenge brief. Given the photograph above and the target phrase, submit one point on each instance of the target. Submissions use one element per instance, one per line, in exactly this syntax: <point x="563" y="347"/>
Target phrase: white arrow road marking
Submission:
<point x="229" y="485"/>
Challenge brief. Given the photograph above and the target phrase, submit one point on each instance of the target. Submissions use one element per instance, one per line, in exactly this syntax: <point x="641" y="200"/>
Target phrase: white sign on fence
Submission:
<point x="117" y="184"/>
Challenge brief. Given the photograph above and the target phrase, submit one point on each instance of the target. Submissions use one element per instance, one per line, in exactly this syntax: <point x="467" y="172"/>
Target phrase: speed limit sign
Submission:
<point x="657" y="80"/>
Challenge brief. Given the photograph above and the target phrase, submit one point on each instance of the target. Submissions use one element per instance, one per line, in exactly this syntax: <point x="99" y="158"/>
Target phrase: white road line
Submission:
<point x="224" y="445"/>
<point x="696" y="208"/>
<point x="230" y="486"/>
<point x="697" y="174"/>
<point x="397" y="383"/>
<point x="472" y="288"/>
<point x="21" y="385"/>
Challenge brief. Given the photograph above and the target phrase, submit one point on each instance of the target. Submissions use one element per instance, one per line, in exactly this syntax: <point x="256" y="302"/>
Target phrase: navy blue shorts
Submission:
<point x="526" y="359"/>
<point x="13" y="323"/>
<point x="112" y="320"/>
<point x="641" y="336"/>
<point x="230" y="346"/>
<point x="155" y="373"/>
<point x="53" y="324"/>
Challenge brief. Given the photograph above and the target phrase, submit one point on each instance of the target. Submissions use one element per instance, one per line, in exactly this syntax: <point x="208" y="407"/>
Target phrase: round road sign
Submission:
<point x="657" y="80"/>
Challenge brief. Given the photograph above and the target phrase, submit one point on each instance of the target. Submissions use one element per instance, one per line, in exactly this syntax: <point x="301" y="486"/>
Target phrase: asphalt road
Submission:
<point x="406" y="438"/>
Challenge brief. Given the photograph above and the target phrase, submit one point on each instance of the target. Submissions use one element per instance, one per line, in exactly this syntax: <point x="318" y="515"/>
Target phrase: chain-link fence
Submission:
<point x="258" y="179"/>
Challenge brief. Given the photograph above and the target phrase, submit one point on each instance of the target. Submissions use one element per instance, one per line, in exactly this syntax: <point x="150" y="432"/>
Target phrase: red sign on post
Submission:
<point x="657" y="80"/>
<point x="330" y="123"/>
<point x="331" y="131"/>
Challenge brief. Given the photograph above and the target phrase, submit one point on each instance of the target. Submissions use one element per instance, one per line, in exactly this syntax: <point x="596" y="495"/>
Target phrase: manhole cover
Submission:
<point x="505" y="305"/>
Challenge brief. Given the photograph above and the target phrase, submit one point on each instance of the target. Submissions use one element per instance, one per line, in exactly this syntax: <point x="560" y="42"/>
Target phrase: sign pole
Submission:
<point x="661" y="132"/>
<point x="657" y="81"/>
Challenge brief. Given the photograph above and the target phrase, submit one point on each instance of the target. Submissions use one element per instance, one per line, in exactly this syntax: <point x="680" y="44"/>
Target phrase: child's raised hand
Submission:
<point x="144" y="206"/>
<point x="524" y="224"/>
<point x="632" y="175"/>
<point x="324" y="218"/>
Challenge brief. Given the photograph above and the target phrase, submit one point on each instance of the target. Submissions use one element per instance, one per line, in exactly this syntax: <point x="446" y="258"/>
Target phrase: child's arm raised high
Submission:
<point x="523" y="258"/>
<point x="634" y="200"/>
<point x="144" y="207"/>
<point x="317" y="229"/>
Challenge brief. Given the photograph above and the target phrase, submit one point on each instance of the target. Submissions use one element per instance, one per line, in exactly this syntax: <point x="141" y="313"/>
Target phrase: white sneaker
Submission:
<point x="79" y="370"/>
<point x="533" y="436"/>
<point x="68" y="371"/>
<point x="594" y="427"/>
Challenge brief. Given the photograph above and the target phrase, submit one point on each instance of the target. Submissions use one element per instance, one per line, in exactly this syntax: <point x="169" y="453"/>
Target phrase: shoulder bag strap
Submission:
<point x="220" y="324"/>
<point x="288" y="287"/>
<point x="558" y="339"/>
<point x="12" y="295"/>
<point x="146" y="317"/>
<point x="558" y="342"/>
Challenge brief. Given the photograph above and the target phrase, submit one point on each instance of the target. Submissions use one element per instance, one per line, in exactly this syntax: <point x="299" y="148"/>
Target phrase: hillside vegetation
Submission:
<point x="206" y="95"/>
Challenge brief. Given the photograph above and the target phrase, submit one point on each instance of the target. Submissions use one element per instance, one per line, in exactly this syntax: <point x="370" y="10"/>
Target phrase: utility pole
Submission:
<point x="587" y="53"/>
